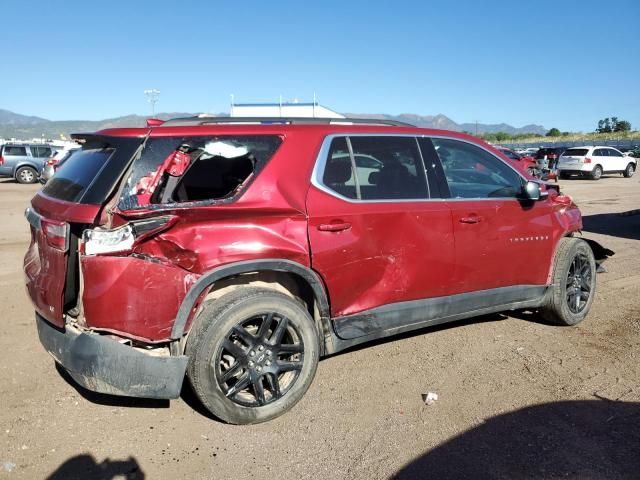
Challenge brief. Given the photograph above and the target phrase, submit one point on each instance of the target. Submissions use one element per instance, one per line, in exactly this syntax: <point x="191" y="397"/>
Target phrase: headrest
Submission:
<point x="338" y="170"/>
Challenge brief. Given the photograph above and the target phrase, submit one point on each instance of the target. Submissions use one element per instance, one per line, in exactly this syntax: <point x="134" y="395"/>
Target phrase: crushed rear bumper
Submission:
<point x="103" y="365"/>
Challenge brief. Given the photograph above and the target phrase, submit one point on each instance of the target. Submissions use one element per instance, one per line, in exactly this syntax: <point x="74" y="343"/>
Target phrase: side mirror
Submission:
<point x="531" y="191"/>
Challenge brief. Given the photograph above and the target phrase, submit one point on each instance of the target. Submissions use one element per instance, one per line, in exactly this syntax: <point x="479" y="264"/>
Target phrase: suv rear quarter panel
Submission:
<point x="139" y="294"/>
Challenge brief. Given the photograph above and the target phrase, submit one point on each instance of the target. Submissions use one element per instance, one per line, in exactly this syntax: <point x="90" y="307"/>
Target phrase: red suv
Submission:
<point x="239" y="252"/>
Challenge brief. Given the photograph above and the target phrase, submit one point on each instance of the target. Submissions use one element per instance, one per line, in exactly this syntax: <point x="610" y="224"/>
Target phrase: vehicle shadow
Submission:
<point x="111" y="400"/>
<point x="573" y="439"/>
<point x="624" y="224"/>
<point x="8" y="180"/>
<point x="85" y="466"/>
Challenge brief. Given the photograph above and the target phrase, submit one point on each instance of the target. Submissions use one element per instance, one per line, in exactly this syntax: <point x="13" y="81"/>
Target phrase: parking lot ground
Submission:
<point x="516" y="398"/>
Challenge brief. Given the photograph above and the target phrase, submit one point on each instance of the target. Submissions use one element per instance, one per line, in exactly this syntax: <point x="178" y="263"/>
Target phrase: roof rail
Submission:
<point x="205" y="120"/>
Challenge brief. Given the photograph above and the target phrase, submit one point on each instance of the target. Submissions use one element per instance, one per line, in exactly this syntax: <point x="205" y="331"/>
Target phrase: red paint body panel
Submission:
<point x="131" y="296"/>
<point x="45" y="271"/>
<point x="45" y="267"/>
<point x="69" y="212"/>
<point x="507" y="234"/>
<point x="393" y="252"/>
<point x="200" y="245"/>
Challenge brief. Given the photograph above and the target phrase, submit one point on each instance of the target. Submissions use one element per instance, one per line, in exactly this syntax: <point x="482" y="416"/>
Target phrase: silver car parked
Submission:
<point x="23" y="161"/>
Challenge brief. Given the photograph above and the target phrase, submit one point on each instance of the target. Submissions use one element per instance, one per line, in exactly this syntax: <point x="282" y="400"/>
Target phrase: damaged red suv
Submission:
<point x="237" y="252"/>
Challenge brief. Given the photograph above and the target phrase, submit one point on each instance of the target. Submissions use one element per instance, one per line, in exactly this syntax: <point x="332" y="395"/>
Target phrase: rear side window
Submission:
<point x="15" y="150"/>
<point x="575" y="152"/>
<point x="40" y="151"/>
<point x="338" y="171"/>
<point x="397" y="172"/>
<point x="472" y="172"/>
<point x="386" y="168"/>
<point x="190" y="169"/>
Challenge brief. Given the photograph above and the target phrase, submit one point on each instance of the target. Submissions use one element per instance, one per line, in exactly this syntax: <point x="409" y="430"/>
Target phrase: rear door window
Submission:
<point x="472" y="172"/>
<point x="191" y="169"/>
<point x="15" y="151"/>
<point x="389" y="168"/>
<point x="39" y="151"/>
<point x="375" y="168"/>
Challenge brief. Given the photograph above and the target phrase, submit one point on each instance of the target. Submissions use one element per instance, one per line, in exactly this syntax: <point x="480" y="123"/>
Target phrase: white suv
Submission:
<point x="594" y="161"/>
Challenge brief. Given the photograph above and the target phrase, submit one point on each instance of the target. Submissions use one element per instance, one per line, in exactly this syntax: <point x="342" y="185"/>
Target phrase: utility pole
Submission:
<point x="152" y="97"/>
<point x="476" y="128"/>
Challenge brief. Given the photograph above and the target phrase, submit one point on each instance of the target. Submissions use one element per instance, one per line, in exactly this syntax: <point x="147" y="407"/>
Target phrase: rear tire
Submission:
<point x="629" y="171"/>
<point x="574" y="283"/>
<point x="596" y="173"/>
<point x="563" y="176"/>
<point x="253" y="354"/>
<point x="26" y="175"/>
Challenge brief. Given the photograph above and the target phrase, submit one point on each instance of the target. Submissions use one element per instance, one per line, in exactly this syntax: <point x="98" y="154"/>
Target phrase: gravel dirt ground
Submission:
<point x="517" y="398"/>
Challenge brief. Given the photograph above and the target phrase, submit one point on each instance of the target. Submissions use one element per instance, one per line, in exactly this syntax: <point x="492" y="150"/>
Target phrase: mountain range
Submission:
<point x="15" y="125"/>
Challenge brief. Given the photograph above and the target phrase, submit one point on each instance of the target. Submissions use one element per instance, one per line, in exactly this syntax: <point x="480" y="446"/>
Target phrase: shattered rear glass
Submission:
<point x="188" y="169"/>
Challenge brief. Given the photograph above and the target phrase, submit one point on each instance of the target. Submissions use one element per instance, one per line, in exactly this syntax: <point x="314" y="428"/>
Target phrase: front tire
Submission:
<point x="629" y="171"/>
<point x="574" y="283"/>
<point x="26" y="175"/>
<point x="253" y="354"/>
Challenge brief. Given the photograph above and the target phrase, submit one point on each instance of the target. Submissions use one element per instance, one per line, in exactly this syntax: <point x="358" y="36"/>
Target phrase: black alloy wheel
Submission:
<point x="253" y="353"/>
<point x="572" y="290"/>
<point x="579" y="283"/>
<point x="259" y="360"/>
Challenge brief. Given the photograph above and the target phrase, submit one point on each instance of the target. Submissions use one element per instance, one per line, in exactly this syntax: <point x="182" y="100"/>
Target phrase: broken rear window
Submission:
<point x="191" y="169"/>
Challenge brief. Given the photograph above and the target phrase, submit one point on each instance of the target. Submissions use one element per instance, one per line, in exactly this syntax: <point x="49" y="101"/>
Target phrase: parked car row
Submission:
<point x="586" y="161"/>
<point x="26" y="162"/>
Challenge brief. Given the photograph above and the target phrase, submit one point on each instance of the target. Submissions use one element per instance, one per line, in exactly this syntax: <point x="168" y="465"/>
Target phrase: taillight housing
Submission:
<point x="56" y="233"/>
<point x="99" y="241"/>
<point x="1" y="160"/>
<point x="587" y="160"/>
<point x="52" y="161"/>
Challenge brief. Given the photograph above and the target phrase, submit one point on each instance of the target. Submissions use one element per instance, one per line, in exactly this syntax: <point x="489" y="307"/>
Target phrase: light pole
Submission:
<point x="152" y="97"/>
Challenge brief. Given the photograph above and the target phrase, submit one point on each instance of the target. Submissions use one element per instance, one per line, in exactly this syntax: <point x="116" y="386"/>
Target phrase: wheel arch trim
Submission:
<point x="238" y="268"/>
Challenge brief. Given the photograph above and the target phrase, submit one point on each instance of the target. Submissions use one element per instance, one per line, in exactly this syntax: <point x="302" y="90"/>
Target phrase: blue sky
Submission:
<point x="556" y="63"/>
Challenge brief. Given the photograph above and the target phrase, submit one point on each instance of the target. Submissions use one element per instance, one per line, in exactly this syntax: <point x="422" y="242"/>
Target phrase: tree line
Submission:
<point x="606" y="125"/>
